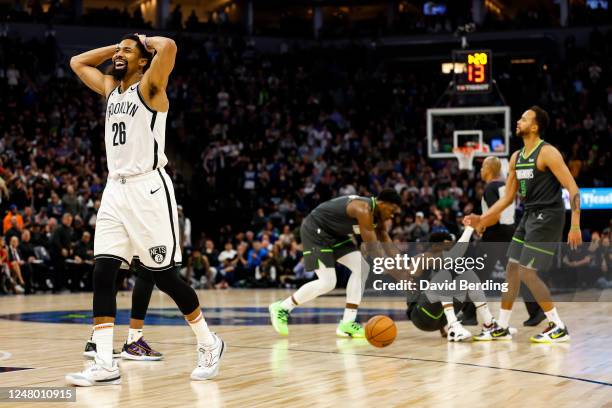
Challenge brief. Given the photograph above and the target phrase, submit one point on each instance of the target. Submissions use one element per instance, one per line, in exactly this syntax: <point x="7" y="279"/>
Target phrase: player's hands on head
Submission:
<point x="574" y="238"/>
<point x="143" y="40"/>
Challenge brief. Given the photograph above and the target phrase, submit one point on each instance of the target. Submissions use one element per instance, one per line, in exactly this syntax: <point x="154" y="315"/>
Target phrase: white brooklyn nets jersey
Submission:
<point x="138" y="215"/>
<point x="135" y="135"/>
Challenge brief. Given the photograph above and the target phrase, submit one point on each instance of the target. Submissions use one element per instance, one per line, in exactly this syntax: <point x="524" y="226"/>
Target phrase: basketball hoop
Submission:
<point x="465" y="157"/>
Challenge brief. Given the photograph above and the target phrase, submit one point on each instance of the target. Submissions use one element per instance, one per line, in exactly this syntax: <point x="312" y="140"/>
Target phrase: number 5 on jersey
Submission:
<point x="119" y="131"/>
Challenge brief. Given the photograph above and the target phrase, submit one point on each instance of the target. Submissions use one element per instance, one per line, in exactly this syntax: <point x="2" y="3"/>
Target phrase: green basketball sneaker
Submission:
<point x="350" y="329"/>
<point x="279" y="316"/>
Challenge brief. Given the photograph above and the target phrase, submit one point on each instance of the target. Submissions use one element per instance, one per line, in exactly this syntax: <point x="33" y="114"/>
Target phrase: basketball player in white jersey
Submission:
<point x="138" y="215"/>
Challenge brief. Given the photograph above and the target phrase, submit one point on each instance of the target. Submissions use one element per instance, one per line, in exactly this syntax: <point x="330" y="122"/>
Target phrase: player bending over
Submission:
<point x="326" y="238"/>
<point x="436" y="309"/>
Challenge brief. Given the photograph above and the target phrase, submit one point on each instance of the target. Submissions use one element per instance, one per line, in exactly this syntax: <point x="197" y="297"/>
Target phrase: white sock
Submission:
<point x="103" y="337"/>
<point x="288" y="304"/>
<point x="134" y="335"/>
<point x="449" y="312"/>
<point x="504" y="318"/>
<point x="483" y="312"/>
<point x="349" y="315"/>
<point x="553" y="316"/>
<point x="200" y="328"/>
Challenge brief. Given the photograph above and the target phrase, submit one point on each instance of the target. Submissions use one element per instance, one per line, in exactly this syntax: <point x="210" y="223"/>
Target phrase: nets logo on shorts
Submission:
<point x="158" y="253"/>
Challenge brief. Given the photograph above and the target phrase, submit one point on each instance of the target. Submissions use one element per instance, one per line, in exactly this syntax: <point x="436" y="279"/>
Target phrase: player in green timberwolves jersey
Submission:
<point x="327" y="237"/>
<point x="537" y="172"/>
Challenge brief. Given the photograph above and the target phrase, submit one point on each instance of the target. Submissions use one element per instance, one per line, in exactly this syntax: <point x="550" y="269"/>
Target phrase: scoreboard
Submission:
<point x="476" y="76"/>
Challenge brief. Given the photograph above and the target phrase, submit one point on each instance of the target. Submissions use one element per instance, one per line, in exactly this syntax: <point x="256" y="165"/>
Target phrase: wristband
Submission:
<point x="575" y="228"/>
<point x="467" y="233"/>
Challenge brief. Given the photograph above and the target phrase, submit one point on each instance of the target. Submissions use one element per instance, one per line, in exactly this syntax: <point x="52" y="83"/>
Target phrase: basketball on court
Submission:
<point x="380" y="331"/>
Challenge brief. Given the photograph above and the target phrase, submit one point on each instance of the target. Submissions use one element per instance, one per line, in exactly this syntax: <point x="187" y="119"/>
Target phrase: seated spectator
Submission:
<point x="575" y="264"/>
<point x="289" y="256"/>
<point x="199" y="274"/>
<point x="14" y="230"/>
<point x="20" y="268"/>
<point x="599" y="252"/>
<point x="61" y="249"/>
<point x="211" y="253"/>
<point x="241" y="269"/>
<point x="7" y="222"/>
<point x="228" y="259"/>
<point x="28" y="217"/>
<point x="81" y="267"/>
<point x="70" y="201"/>
<point x="286" y="237"/>
<point x="420" y="229"/>
<point x="41" y="276"/>
<point x="255" y="257"/>
<point x="268" y="231"/>
<point x="9" y="282"/>
<point x="55" y="207"/>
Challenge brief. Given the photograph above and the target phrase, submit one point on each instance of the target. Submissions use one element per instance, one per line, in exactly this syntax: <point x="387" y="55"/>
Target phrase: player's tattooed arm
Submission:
<point x="575" y="202"/>
<point x="555" y="163"/>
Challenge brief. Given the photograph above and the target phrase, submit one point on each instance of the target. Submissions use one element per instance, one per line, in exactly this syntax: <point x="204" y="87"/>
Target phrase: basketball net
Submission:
<point x="465" y="157"/>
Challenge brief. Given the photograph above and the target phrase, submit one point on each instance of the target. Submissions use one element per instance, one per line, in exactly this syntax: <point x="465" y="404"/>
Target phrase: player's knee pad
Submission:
<point x="170" y="283"/>
<point x="104" y="286"/>
<point x="141" y="295"/>
<point x="354" y="262"/>
<point x="144" y="275"/>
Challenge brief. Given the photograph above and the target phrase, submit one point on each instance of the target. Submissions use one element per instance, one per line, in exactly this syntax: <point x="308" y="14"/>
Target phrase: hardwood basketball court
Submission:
<point x="312" y="367"/>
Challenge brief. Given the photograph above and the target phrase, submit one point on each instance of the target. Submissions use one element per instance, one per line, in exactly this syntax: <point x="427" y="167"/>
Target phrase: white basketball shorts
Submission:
<point x="138" y="218"/>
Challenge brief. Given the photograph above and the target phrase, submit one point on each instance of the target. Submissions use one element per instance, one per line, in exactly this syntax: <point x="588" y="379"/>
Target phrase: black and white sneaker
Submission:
<point x="90" y="350"/>
<point x="494" y="332"/>
<point x="552" y="334"/>
<point x="457" y="333"/>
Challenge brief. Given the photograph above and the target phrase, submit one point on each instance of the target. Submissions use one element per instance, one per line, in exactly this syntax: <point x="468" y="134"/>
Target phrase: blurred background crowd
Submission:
<point x="257" y="140"/>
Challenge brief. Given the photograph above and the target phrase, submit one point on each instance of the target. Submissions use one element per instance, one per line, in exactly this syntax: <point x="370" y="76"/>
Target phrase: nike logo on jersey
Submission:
<point x="540" y="217"/>
<point x="155" y="191"/>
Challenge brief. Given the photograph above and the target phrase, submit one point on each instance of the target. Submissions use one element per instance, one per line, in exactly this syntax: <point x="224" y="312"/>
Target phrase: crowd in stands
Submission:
<point x="256" y="142"/>
<point x="415" y="17"/>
